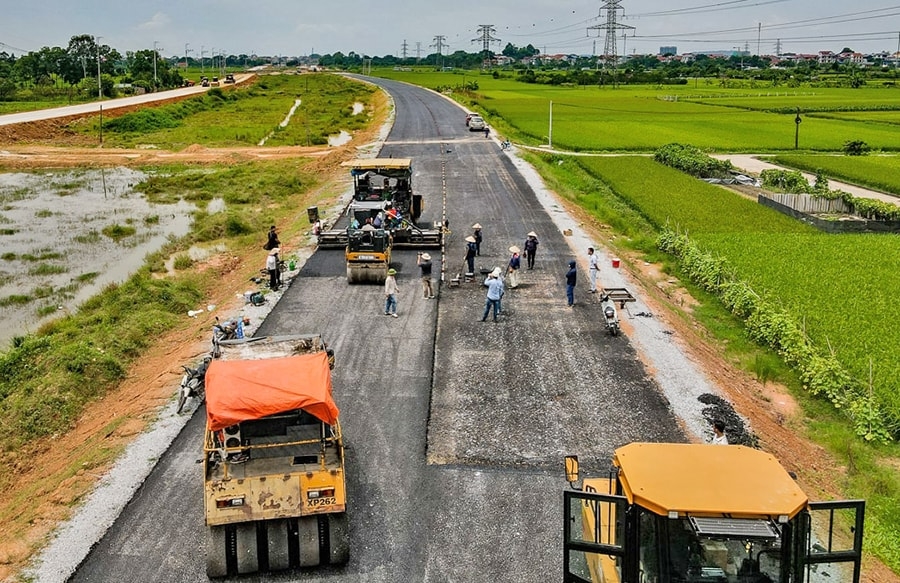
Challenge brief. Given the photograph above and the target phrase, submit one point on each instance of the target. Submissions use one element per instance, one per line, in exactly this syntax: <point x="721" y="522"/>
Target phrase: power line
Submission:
<point x="707" y="8"/>
<point x="3" y="44"/>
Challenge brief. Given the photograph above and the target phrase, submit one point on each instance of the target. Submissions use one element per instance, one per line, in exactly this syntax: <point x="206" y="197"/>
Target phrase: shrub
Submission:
<point x="118" y="232"/>
<point x="855" y="148"/>
<point x="183" y="261"/>
<point x="786" y="181"/>
<point x="692" y="160"/>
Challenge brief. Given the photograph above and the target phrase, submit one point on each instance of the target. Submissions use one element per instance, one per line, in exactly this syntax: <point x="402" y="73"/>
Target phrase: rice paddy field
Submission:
<point x="820" y="278"/>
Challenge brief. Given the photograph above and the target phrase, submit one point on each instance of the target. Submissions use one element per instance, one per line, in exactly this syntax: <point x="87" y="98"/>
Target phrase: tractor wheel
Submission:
<point x="277" y="534"/>
<point x="308" y="532"/>
<point x="216" y="552"/>
<point x="247" y="553"/>
<point x="338" y="539"/>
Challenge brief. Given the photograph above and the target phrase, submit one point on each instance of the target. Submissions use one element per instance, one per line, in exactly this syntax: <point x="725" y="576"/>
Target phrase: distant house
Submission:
<point x="827" y="58"/>
<point x="851" y="59"/>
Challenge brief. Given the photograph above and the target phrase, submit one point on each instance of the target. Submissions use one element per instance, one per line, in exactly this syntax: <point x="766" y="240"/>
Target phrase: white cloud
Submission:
<point x="159" y="21"/>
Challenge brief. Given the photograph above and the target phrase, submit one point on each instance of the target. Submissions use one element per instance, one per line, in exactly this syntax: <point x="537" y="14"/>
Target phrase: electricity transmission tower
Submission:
<point x="439" y="45"/>
<point x="486" y="37"/>
<point x="403" y="49"/>
<point x="418" y="51"/>
<point x="611" y="26"/>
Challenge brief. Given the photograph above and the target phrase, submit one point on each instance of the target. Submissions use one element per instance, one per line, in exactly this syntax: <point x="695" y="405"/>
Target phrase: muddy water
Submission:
<point x="53" y="250"/>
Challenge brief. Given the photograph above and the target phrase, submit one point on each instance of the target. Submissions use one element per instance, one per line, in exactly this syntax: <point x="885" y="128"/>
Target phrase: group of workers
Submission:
<point x="391" y="218"/>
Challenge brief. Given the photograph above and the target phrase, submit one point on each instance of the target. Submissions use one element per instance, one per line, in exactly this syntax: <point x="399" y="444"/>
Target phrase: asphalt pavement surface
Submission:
<point x="456" y="428"/>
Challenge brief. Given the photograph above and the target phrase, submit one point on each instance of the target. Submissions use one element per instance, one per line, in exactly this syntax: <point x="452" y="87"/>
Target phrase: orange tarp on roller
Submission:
<point x="240" y="390"/>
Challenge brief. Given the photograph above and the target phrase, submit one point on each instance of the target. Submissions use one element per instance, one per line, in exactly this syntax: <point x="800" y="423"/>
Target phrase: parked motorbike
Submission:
<point x="610" y="314"/>
<point x="608" y="299"/>
<point x="193" y="383"/>
<point x="230" y="330"/>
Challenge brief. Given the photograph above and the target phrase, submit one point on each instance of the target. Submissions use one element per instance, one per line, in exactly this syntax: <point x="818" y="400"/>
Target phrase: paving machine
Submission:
<point x="698" y="513"/>
<point x="383" y="195"/>
<point x="275" y="495"/>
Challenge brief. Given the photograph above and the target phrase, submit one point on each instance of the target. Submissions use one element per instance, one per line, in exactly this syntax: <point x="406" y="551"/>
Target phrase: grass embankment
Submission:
<point x="244" y="115"/>
<point x="49" y="378"/>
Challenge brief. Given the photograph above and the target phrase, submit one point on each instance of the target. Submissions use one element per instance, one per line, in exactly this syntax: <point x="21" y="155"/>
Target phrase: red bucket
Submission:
<point x="615" y="262"/>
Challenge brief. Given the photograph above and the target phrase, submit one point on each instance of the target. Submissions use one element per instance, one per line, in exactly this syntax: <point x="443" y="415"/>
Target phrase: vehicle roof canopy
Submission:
<point x="702" y="479"/>
<point x="241" y="390"/>
<point x="365" y="164"/>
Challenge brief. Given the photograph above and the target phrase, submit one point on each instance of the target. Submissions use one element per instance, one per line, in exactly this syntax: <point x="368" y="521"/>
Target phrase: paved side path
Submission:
<point x="108" y="104"/>
<point x="753" y="165"/>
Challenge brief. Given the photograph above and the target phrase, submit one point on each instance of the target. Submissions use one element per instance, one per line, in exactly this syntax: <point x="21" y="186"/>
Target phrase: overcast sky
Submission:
<point x="380" y="27"/>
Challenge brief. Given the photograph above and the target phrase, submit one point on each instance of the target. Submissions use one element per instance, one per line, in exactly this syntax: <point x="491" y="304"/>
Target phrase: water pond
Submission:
<point x="66" y="234"/>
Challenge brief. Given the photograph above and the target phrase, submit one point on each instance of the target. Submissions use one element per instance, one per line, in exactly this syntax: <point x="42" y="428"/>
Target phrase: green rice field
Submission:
<point x="826" y="281"/>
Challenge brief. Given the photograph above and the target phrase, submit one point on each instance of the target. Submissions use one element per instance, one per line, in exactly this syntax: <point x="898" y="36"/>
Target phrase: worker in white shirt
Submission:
<point x="593" y="268"/>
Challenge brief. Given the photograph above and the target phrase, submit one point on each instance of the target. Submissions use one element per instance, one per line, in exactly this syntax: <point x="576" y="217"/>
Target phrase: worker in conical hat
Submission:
<point x="530" y="246"/>
<point x="471" y="252"/>
<point x="477" y="234"/>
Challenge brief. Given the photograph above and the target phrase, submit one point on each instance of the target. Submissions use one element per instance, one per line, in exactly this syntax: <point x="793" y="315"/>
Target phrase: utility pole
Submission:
<point x="202" y="53"/>
<point x="610" y="59"/>
<point x="155" y="79"/>
<point x="99" y="79"/>
<point x="486" y="37"/>
<point x="439" y="44"/>
<point x="758" y="35"/>
<point x="186" y="50"/>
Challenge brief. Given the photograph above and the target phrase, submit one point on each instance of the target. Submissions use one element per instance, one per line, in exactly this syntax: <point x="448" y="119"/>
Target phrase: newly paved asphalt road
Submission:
<point x="456" y="428"/>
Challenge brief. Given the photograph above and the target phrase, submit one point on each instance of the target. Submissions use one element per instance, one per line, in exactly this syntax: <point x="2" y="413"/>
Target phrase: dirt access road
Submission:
<point x="752" y="164"/>
<point x="454" y="462"/>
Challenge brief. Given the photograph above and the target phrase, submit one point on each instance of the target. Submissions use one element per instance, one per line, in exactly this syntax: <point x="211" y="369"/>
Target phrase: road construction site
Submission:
<point x="455" y="429"/>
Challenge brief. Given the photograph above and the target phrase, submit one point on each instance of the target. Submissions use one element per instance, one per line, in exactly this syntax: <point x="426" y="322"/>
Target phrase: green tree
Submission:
<point x="83" y="49"/>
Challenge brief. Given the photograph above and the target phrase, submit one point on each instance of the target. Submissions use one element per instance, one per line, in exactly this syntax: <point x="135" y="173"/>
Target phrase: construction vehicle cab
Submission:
<point x="383" y="197"/>
<point x="379" y="181"/>
<point x="695" y="513"/>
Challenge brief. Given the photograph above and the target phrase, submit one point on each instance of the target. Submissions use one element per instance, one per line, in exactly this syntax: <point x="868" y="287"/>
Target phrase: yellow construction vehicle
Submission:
<point x="691" y="513"/>
<point x="383" y="194"/>
<point x="368" y="254"/>
<point x="274" y="480"/>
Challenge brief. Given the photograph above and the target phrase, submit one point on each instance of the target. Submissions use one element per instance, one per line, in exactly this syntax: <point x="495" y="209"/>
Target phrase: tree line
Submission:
<point x="74" y="72"/>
